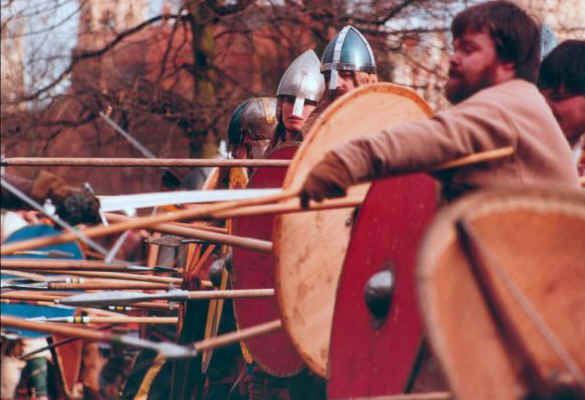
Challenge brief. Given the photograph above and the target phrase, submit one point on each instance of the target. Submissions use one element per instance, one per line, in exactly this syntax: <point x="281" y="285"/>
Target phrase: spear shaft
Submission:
<point x="168" y="350"/>
<point x="140" y="162"/>
<point x="85" y="319"/>
<point x="35" y="263"/>
<point x="209" y="210"/>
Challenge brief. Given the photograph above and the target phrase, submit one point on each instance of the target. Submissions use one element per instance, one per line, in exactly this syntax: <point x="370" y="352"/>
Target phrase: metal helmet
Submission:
<point x="303" y="81"/>
<point x="254" y="118"/>
<point x="348" y="51"/>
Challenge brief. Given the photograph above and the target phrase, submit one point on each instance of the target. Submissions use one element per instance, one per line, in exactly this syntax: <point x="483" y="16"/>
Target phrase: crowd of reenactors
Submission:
<point x="503" y="90"/>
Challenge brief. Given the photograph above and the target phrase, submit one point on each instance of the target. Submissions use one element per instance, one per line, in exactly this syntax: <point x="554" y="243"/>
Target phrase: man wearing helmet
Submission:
<point x="348" y="62"/>
<point x="299" y="91"/>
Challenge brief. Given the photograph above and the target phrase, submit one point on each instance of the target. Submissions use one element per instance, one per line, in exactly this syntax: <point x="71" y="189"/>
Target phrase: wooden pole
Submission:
<point x="230" y="294"/>
<point x="107" y="284"/>
<point x="120" y="320"/>
<point x="143" y="222"/>
<point x="169" y="350"/>
<point x="47" y="264"/>
<point x="290" y="207"/>
<point x="50" y="297"/>
<point x="115" y="275"/>
<point x="262" y="246"/>
<point x="209" y="210"/>
<point x="83" y="333"/>
<point x="141" y="162"/>
<point x="237" y="336"/>
<point x="476" y="158"/>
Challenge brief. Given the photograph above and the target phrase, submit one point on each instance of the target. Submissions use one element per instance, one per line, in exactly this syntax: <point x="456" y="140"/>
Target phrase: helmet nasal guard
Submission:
<point x="303" y="81"/>
<point x="348" y="51"/>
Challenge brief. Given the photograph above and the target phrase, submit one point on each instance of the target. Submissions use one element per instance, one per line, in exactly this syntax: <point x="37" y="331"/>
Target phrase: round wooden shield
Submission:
<point x="310" y="247"/>
<point x="499" y="311"/>
<point x="377" y="330"/>
<point x="274" y="352"/>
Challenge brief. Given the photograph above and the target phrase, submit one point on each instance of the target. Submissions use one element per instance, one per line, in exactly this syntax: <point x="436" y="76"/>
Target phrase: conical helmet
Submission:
<point x="254" y="118"/>
<point x="348" y="51"/>
<point x="302" y="80"/>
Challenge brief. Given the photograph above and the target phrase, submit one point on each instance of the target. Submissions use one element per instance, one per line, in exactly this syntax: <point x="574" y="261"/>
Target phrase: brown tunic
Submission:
<point x="513" y="113"/>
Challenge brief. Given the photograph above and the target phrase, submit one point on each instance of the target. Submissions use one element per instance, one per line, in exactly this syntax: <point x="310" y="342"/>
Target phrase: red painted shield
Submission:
<point x="274" y="353"/>
<point x="374" y="356"/>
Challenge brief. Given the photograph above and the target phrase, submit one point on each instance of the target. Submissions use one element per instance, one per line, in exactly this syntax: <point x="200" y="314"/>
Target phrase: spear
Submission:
<point x="140" y="162"/>
<point x="122" y="276"/>
<point x="209" y="210"/>
<point x="86" y="319"/>
<point x="35" y="263"/>
<point x="261" y="246"/>
<point x="114" y="298"/>
<point x="53" y="296"/>
<point x="165" y="349"/>
<point x="46" y="253"/>
<point x="85" y="284"/>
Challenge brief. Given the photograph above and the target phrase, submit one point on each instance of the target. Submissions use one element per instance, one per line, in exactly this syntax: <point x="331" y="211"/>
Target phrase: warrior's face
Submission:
<point x="569" y="110"/>
<point x="346" y="82"/>
<point x="295" y="123"/>
<point x="473" y="66"/>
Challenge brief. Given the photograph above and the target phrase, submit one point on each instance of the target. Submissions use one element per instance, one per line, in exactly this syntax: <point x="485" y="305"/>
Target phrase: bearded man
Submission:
<point x="491" y="82"/>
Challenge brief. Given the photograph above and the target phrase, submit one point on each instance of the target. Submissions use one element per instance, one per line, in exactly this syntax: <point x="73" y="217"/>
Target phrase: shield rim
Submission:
<point x="438" y="237"/>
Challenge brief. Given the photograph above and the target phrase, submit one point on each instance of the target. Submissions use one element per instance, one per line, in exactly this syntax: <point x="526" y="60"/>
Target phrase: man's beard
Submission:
<point x="460" y="86"/>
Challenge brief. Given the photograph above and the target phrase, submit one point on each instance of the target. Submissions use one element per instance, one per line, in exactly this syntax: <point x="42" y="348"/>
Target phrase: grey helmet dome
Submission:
<point x="254" y="117"/>
<point x="303" y="81"/>
<point x="348" y="51"/>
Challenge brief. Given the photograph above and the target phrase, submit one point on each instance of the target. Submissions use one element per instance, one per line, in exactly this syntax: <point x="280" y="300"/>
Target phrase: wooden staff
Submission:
<point x="33" y="295"/>
<point x="48" y="264"/>
<point x="168" y="350"/>
<point x="26" y="275"/>
<point x="237" y="336"/>
<point x="140" y="162"/>
<point x="262" y="246"/>
<point x="84" y="319"/>
<point x="290" y="207"/>
<point x="143" y="222"/>
<point x="106" y="284"/>
<point x="198" y="225"/>
<point x="209" y="210"/>
<point x="117" y="275"/>
<point x="50" y="297"/>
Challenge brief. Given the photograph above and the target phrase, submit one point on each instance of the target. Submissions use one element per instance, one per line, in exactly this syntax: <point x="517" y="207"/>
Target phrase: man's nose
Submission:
<point x="454" y="56"/>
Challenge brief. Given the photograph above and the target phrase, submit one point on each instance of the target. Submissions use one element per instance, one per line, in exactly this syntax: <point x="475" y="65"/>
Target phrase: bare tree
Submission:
<point x="173" y="79"/>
